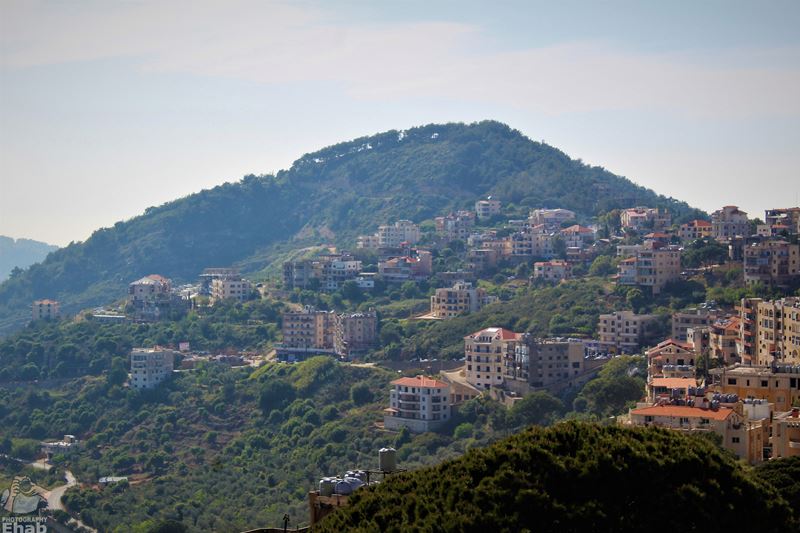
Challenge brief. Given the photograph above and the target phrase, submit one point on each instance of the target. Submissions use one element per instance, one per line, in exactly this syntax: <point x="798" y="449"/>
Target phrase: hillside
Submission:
<point x="574" y="477"/>
<point x="21" y="253"/>
<point x="330" y="195"/>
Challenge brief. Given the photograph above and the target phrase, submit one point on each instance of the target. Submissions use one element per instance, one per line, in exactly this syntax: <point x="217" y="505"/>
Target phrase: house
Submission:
<point x="461" y="298"/>
<point x="577" y="236"/>
<point x="771" y="262"/>
<point x="210" y="274"/>
<point x="553" y="271"/>
<point x="550" y="217"/>
<point x="68" y="445"/>
<point x="653" y="267"/>
<point x="487" y="208"/>
<point x="417" y="265"/>
<point x="669" y="352"/>
<point x="623" y="331"/>
<point x="455" y="226"/>
<point x="780" y="220"/>
<point x="150" y="366"/>
<point x="45" y="310"/>
<point x="485" y="352"/>
<point x="729" y="222"/>
<point x="149" y="289"/>
<point x="420" y="404"/>
<point x="786" y="433"/>
<point x="702" y="315"/>
<point x="639" y="218"/>
<point x="695" y="229"/>
<point x="327" y="272"/>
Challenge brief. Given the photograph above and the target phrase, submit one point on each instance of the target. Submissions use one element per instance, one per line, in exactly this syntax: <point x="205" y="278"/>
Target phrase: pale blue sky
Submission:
<point x="107" y="108"/>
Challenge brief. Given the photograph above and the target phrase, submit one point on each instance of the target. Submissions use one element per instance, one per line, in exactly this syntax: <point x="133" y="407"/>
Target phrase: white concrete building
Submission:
<point x="420" y="404"/>
<point x="150" y="366"/>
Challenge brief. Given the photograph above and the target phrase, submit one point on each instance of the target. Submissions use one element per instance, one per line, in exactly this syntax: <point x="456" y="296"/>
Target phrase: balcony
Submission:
<point x="794" y="444"/>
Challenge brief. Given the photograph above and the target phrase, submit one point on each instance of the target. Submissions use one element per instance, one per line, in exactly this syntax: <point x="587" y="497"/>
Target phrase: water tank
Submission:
<point x="326" y="486"/>
<point x="387" y="459"/>
<point x="343" y="487"/>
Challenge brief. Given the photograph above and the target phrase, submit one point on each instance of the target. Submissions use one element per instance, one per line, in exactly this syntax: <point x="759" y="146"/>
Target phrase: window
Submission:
<point x="731" y="381"/>
<point x="735" y="440"/>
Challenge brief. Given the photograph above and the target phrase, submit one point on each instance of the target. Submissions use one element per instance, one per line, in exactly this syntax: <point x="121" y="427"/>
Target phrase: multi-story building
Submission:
<point x="695" y="317"/>
<point x="485" y="352"/>
<point x="638" y="218"/>
<point x="744" y="438"/>
<point x="45" y="310"/>
<point x="231" y="288"/>
<point x="307" y="331"/>
<point x="786" y="434"/>
<point x="771" y="262"/>
<point x="393" y="235"/>
<point x="778" y="384"/>
<point x="551" y="217"/>
<point x="577" y="236"/>
<point x="545" y="363"/>
<point x="719" y="340"/>
<point x="695" y="229"/>
<point x="420" y="404"/>
<point x="210" y="274"/>
<point x="770" y="331"/>
<point x="412" y="267"/>
<point x="455" y="226"/>
<point x="653" y="267"/>
<point x="150" y="366"/>
<point x="327" y="272"/>
<point x="355" y="333"/>
<point x="487" y="208"/>
<point x="781" y="220"/>
<point x="369" y="242"/>
<point x="149" y="288"/>
<point x="553" y="271"/>
<point x="729" y="222"/>
<point x="482" y="259"/>
<point x="669" y="353"/>
<point x="461" y="298"/>
<point x="623" y="331"/>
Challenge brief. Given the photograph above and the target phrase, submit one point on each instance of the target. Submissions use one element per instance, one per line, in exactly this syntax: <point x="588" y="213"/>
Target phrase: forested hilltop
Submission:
<point x="20" y="253"/>
<point x="332" y="195"/>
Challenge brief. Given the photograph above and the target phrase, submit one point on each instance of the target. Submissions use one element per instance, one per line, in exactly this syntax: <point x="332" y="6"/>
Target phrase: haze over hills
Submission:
<point x="331" y="195"/>
<point x="21" y="253"/>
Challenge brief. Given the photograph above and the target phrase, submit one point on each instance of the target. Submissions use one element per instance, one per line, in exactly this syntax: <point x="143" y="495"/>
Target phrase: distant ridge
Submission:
<point x="21" y="253"/>
<point x="331" y="195"/>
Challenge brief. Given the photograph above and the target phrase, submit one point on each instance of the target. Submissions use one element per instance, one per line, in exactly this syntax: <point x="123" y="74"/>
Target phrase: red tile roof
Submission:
<point x="421" y="382"/>
<point x="674" y="383"/>
<point x="684" y="411"/>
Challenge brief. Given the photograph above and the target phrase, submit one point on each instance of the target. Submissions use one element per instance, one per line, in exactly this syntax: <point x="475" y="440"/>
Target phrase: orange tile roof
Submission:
<point x="684" y="411"/>
<point x="665" y="343"/>
<point x="504" y="334"/>
<point x="421" y="382"/>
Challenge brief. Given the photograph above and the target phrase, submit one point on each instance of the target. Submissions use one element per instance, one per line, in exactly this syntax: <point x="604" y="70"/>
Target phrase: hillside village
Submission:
<point x="689" y="370"/>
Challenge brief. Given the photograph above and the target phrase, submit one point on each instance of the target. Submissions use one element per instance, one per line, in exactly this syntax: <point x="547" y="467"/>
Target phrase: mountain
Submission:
<point x="21" y="253"/>
<point x="574" y="477"/>
<point x="328" y="196"/>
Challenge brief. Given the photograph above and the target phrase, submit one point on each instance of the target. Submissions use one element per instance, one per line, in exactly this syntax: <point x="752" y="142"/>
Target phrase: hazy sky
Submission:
<point x="109" y="107"/>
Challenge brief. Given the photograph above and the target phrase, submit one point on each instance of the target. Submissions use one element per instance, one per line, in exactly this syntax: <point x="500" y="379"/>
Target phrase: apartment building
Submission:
<point x="771" y="262"/>
<point x="402" y="231"/>
<point x="233" y="288"/>
<point x="577" y="236"/>
<point x="744" y="438"/>
<point x="368" y="242"/>
<point x="545" y="363"/>
<point x="777" y="384"/>
<point x="481" y="259"/>
<point x="786" y="433"/>
<point x="45" y="310"/>
<point x="487" y="208"/>
<point x="553" y="271"/>
<point x="461" y="298"/>
<point x="455" y="226"/>
<point x="149" y="288"/>
<point x="150" y="366"/>
<point x="418" y="265"/>
<point x="307" y="331"/>
<point x="420" y="404"/>
<point x="327" y="272"/>
<point x="639" y="218"/>
<point x="719" y="340"/>
<point x="770" y="331"/>
<point x="695" y="229"/>
<point x="485" y="352"/>
<point x="729" y="222"/>
<point x="210" y="274"/>
<point x="781" y="220"/>
<point x="355" y="333"/>
<point x="550" y="217"/>
<point x="652" y="267"/>
<point x="695" y="317"/>
<point x="623" y="331"/>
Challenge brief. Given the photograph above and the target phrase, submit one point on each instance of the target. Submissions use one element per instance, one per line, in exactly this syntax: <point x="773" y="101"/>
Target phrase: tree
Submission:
<point x="360" y="394"/>
<point x="351" y="291"/>
<point x="275" y="394"/>
<point x="603" y="265"/>
<point x="540" y="408"/>
<point x="635" y="298"/>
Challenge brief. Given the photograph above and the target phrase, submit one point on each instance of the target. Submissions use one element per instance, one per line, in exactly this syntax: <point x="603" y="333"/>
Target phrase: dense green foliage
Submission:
<point x="47" y="350"/>
<point x="574" y="477"/>
<point x="784" y="475"/>
<point x="331" y="195"/>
